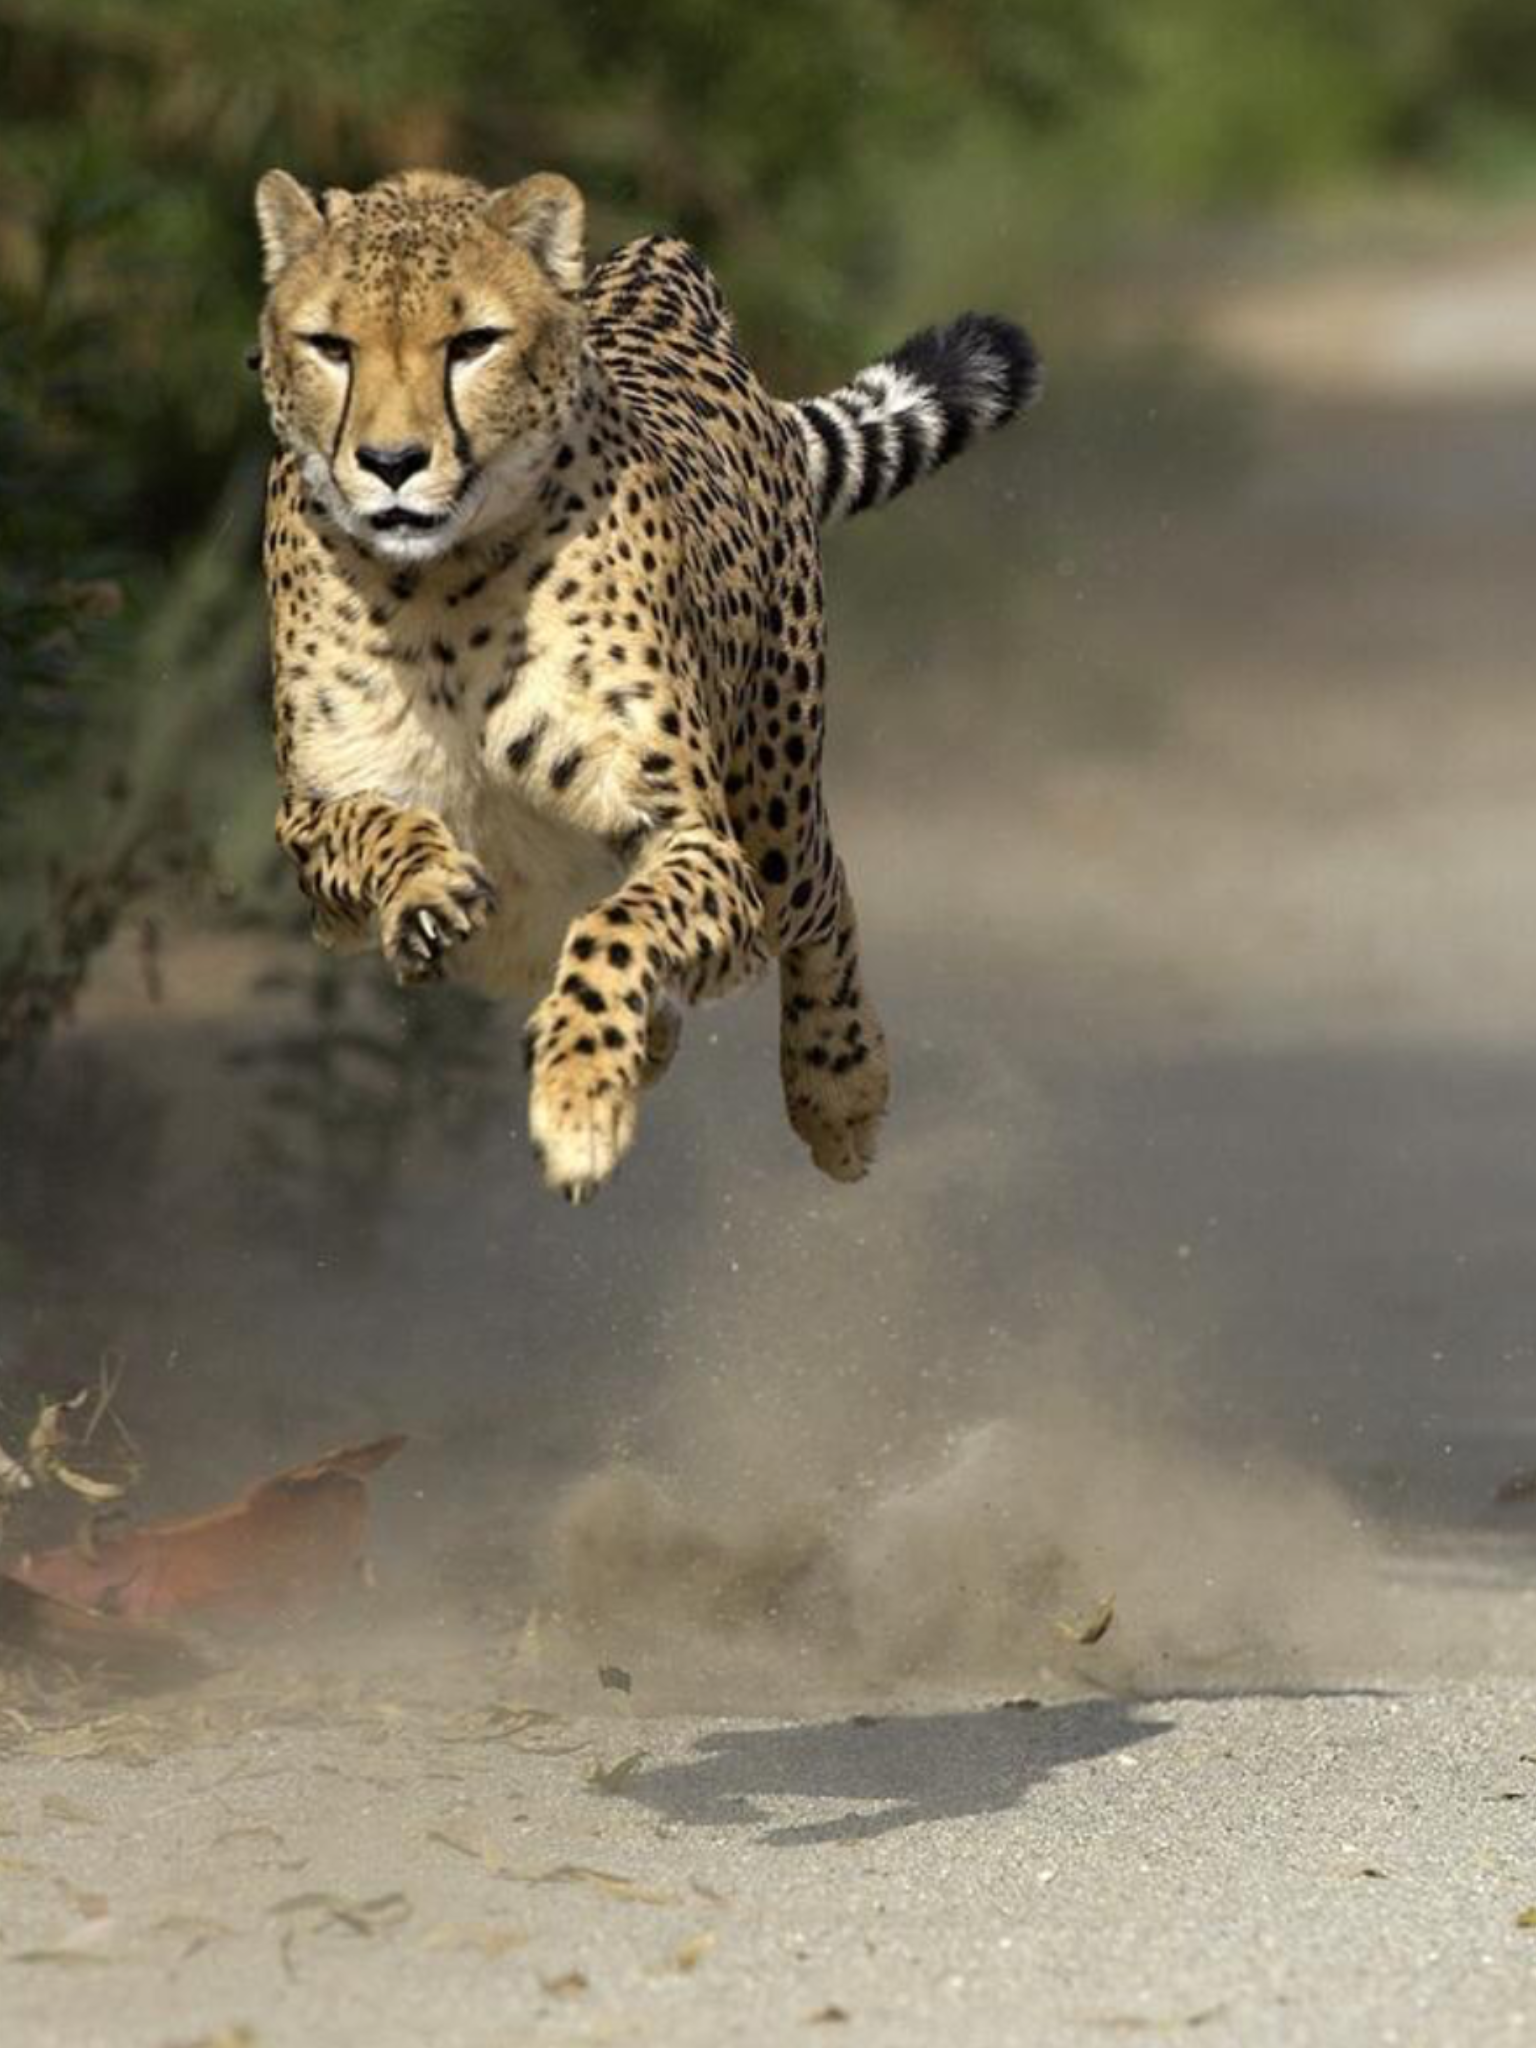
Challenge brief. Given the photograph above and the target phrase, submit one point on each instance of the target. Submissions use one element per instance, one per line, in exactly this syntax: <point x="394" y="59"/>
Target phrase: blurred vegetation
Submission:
<point x="812" y="149"/>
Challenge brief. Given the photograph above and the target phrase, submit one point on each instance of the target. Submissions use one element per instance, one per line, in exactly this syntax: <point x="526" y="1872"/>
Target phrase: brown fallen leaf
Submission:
<point x="614" y="1678"/>
<point x="284" y="1542"/>
<point x="35" y="1623"/>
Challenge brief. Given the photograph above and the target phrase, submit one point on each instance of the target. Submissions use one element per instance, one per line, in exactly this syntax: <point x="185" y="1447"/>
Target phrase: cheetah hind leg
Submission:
<point x="832" y="1052"/>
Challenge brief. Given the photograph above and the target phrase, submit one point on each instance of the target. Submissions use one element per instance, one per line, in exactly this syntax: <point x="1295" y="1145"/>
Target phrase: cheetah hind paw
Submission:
<point x="839" y="1115"/>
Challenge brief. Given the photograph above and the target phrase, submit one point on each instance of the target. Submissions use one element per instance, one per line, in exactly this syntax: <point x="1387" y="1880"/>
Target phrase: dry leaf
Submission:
<point x="615" y="1777"/>
<point x="358" y="1916"/>
<point x="89" y="1905"/>
<point x="56" y="1807"/>
<point x="67" y="1956"/>
<point x="487" y="1938"/>
<point x="484" y="1853"/>
<point x="608" y="1881"/>
<point x="614" y="1678"/>
<point x="34" y="1623"/>
<point x="1093" y="1628"/>
<point x="693" y="1951"/>
<point x="14" y="1476"/>
<point x="99" y="1490"/>
<point x="570" y="1985"/>
<point x="1139" y="2023"/>
<point x="194" y="1932"/>
<point x="252" y="1831"/>
<point x="284" y="1542"/>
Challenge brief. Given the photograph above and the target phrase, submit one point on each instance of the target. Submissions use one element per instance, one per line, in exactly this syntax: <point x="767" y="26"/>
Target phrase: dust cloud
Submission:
<point x="848" y="1480"/>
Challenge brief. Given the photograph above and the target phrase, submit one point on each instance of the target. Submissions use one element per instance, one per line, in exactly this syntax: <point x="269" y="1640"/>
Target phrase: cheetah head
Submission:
<point x="420" y="348"/>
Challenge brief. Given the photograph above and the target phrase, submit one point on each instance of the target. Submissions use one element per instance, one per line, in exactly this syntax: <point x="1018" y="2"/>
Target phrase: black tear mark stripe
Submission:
<point x="346" y="411"/>
<point x="462" y="448"/>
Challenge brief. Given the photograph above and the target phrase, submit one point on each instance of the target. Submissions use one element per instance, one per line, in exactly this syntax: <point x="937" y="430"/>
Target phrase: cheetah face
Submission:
<point x="420" y="349"/>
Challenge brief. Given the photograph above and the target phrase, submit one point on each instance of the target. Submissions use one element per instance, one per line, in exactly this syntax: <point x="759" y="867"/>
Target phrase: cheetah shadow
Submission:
<point x="911" y="1769"/>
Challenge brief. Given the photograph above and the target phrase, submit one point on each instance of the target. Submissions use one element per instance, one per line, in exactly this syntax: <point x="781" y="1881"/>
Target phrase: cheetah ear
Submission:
<point x="547" y="215"/>
<point x="290" y="218"/>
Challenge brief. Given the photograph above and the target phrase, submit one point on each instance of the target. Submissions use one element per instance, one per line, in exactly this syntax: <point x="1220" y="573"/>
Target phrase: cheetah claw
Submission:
<point x="431" y="914"/>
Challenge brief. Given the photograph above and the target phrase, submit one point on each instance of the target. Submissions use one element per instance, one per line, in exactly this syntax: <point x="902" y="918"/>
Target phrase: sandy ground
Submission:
<point x="371" y="1862"/>
<point x="1197" y="1272"/>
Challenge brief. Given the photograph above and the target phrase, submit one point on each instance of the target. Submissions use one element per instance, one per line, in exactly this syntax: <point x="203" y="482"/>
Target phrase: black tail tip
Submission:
<point x="976" y="363"/>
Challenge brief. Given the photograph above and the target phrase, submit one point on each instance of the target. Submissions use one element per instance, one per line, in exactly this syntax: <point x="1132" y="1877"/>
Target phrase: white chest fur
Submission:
<point x="463" y="702"/>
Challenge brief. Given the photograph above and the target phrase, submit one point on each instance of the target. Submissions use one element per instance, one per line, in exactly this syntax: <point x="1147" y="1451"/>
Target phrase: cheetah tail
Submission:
<point x="907" y="414"/>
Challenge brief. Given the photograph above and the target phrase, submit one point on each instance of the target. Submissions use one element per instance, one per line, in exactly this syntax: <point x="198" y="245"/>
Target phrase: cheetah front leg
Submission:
<point x="832" y="1055"/>
<point x="360" y="857"/>
<point x="663" y="1033"/>
<point x="689" y="918"/>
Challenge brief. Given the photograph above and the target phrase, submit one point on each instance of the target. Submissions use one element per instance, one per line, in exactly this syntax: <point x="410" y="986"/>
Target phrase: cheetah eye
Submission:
<point x="335" y="348"/>
<point x="474" y="342"/>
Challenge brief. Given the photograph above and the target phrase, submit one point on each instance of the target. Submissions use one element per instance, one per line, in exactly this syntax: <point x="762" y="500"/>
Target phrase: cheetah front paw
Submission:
<point x="581" y="1122"/>
<point x="335" y="932"/>
<point x="583" y="1105"/>
<point x="432" y="912"/>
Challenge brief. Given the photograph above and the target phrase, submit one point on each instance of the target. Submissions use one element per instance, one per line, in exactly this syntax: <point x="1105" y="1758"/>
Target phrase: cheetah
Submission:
<point x="546" y="620"/>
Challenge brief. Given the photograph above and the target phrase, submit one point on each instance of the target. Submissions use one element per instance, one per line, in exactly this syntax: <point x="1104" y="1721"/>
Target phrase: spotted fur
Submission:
<point x="547" y="632"/>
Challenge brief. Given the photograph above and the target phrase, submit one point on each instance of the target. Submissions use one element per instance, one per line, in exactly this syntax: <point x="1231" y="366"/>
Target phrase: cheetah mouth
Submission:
<point x="399" y="520"/>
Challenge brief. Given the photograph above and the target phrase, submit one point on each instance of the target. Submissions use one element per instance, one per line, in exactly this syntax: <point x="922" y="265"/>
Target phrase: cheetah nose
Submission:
<point x="394" y="465"/>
